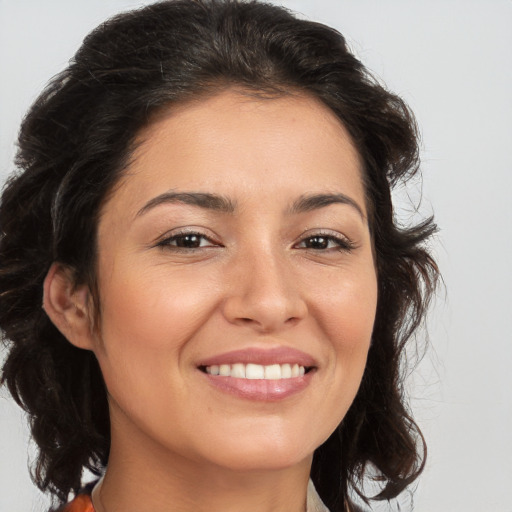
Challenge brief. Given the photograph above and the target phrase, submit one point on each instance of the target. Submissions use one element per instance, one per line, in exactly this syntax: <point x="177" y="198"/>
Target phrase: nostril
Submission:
<point x="265" y="313"/>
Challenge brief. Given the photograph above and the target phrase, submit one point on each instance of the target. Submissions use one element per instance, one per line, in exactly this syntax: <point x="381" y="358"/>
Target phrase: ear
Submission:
<point x="68" y="306"/>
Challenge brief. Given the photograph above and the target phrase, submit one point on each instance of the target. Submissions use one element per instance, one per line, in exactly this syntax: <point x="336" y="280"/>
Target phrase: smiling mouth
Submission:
<point x="253" y="371"/>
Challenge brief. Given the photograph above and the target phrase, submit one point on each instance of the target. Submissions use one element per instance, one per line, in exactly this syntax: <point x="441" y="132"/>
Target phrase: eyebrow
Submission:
<point x="304" y="203"/>
<point x="200" y="199"/>
<point x="308" y="202"/>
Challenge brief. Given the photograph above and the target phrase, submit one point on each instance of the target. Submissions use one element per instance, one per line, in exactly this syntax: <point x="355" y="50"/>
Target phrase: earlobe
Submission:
<point x="68" y="306"/>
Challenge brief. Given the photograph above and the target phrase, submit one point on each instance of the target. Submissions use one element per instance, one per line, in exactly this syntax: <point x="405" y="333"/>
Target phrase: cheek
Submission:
<point x="346" y="308"/>
<point x="156" y="306"/>
<point x="148" y="319"/>
<point x="346" y="315"/>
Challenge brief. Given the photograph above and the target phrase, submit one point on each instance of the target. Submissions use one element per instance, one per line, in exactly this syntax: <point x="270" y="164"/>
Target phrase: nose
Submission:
<point x="264" y="294"/>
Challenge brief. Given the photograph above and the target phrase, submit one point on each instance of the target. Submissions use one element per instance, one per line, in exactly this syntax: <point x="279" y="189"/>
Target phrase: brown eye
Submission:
<point x="187" y="241"/>
<point x="325" y="243"/>
<point x="316" y="242"/>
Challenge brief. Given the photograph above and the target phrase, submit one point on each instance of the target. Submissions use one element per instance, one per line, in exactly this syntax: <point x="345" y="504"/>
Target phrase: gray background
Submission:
<point x="451" y="60"/>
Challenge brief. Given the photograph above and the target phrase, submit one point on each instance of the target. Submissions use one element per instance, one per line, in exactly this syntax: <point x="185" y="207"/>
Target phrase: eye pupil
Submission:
<point x="188" y="241"/>
<point x="317" y="242"/>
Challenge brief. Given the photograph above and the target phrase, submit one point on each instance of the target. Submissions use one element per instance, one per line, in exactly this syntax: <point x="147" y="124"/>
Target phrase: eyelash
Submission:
<point x="341" y="244"/>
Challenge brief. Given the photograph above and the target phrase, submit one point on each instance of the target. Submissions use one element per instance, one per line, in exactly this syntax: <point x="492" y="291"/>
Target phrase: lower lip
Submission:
<point x="261" y="390"/>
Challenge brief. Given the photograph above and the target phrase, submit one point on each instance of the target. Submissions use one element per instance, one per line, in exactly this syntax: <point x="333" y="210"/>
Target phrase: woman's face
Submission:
<point x="237" y="283"/>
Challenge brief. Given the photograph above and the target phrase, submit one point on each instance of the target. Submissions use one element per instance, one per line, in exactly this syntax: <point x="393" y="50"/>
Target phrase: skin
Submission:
<point x="258" y="279"/>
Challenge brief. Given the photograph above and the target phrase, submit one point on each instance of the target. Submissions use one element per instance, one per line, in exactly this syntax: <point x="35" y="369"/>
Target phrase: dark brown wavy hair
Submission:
<point x="74" y="144"/>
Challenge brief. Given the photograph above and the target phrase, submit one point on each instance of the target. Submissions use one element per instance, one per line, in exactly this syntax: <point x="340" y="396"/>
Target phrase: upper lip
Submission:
<point x="262" y="356"/>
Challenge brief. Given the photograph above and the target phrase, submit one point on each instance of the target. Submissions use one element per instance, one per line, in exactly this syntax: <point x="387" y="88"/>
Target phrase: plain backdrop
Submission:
<point x="451" y="61"/>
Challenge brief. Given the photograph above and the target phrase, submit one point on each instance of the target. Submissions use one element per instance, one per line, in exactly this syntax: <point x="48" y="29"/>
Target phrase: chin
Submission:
<point x="264" y="453"/>
<point x="264" y="461"/>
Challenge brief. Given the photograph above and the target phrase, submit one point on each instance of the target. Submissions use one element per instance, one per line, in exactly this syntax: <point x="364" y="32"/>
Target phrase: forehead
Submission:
<point x="292" y="143"/>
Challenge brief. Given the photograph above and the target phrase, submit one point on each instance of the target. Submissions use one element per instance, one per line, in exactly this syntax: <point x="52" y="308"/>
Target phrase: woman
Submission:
<point x="203" y="210"/>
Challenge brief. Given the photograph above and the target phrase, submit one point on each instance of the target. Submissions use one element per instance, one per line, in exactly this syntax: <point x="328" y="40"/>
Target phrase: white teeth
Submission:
<point x="286" y="371"/>
<point x="238" y="370"/>
<point x="254" y="371"/>
<point x="273" y="371"/>
<point x="225" y="370"/>
<point x="257" y="371"/>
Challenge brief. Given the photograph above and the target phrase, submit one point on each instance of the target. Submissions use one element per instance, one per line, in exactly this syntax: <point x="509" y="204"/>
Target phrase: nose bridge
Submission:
<point x="265" y="291"/>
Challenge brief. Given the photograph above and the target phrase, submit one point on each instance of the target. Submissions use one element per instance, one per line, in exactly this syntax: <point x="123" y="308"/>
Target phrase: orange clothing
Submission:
<point x="82" y="503"/>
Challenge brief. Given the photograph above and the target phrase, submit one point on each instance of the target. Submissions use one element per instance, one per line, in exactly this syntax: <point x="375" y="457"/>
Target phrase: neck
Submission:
<point x="143" y="476"/>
